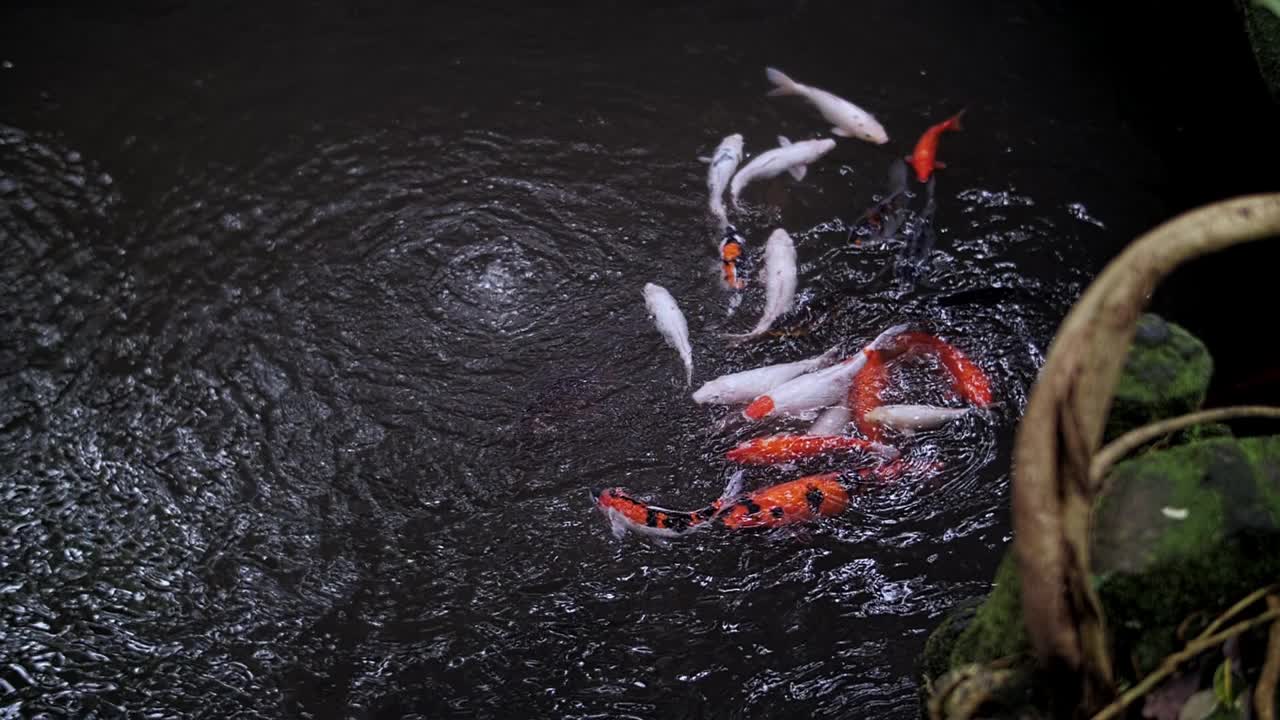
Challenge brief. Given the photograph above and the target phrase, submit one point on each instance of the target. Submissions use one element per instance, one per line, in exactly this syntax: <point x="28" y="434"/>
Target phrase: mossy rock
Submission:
<point x="996" y="630"/>
<point x="1153" y="565"/>
<point x="1194" y="527"/>
<point x="1166" y="374"/>
<point x="936" y="658"/>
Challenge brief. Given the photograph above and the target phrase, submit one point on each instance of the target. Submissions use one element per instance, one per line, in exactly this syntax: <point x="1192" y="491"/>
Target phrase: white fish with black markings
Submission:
<point x="779" y="283"/>
<point x="848" y="120"/>
<point x="745" y="386"/>
<point x="788" y="157"/>
<point x="816" y="390"/>
<point x="670" y="322"/>
<point x="910" y="418"/>
<point x="723" y="164"/>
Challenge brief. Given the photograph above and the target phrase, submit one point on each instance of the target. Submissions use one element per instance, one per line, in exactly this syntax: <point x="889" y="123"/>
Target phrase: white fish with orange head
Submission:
<point x="745" y="386"/>
<point x="848" y="120"/>
<point x="671" y="323"/>
<point x="815" y="390"/>
<point x="787" y="157"/>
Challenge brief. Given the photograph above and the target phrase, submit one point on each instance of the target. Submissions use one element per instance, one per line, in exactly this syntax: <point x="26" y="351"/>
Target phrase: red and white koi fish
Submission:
<point x="779" y="283"/>
<point x="671" y="324"/>
<point x="924" y="158"/>
<point x="849" y="120"/>
<point x="815" y="390"/>
<point x="911" y="418"/>
<point x="745" y="386"/>
<point x="776" y="449"/>
<point x="788" y="157"/>
<point x="722" y="165"/>
<point x="803" y="500"/>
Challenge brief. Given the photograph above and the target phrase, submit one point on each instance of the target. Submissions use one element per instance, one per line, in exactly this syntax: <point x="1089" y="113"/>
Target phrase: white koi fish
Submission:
<point x="745" y="386"/>
<point x="910" y="418"/>
<point x="723" y="164"/>
<point x="670" y="322"/>
<point x="815" y="390"/>
<point x="832" y="421"/>
<point x="848" y="119"/>
<point x="788" y="157"/>
<point x="779" y="283"/>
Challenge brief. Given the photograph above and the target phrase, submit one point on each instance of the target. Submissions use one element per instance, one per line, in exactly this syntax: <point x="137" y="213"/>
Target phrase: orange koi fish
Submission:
<point x="864" y="393"/>
<point x="776" y="449"/>
<point x="802" y="500"/>
<point x="924" y="158"/>
<point x="967" y="379"/>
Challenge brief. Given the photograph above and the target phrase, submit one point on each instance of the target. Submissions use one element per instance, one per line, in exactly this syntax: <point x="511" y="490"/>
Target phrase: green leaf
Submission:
<point x="1226" y="684"/>
<point x="1272" y="5"/>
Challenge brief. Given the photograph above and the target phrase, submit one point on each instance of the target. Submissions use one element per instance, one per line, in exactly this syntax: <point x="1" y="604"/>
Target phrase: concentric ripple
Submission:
<point x="315" y="341"/>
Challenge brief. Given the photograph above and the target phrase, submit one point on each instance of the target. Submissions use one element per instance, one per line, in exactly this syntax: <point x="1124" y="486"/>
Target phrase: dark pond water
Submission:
<point x="318" y="320"/>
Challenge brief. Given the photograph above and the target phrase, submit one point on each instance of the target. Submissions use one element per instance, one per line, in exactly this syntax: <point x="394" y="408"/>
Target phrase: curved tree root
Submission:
<point x="1053" y="488"/>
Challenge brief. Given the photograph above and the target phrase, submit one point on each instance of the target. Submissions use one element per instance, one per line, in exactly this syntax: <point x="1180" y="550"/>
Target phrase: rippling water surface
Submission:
<point x="319" y="321"/>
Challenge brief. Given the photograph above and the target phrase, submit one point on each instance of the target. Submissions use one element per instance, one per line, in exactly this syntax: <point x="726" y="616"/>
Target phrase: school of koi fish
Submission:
<point x="840" y="395"/>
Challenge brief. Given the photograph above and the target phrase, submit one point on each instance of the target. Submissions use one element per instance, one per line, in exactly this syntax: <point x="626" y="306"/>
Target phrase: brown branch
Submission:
<point x="1130" y="441"/>
<point x="1061" y="432"/>
<point x="1264" y="694"/>
<point x="1171" y="663"/>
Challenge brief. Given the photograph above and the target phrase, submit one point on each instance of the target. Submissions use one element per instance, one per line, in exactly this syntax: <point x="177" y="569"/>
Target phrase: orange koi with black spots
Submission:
<point x="802" y="500"/>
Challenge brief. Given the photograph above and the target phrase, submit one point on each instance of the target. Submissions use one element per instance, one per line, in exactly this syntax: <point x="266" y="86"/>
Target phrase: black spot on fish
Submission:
<point x="678" y="523"/>
<point x="651" y="518"/>
<point x="777" y="512"/>
<point x="751" y="507"/>
<point x="814" y="497"/>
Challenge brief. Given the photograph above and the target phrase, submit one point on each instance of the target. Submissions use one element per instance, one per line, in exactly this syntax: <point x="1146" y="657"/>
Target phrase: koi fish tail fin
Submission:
<point x="617" y="524"/>
<point x="829" y="358"/>
<point x="732" y="489"/>
<point x="884" y="453"/>
<point x="783" y="85"/>
<point x="885" y="340"/>
<point x="954" y="122"/>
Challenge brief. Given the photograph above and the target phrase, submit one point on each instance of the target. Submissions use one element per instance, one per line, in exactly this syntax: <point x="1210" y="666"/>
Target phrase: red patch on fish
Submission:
<point x="759" y="407"/>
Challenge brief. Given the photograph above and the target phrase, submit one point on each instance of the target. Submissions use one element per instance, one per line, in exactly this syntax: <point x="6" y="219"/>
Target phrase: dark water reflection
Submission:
<point x="319" y="321"/>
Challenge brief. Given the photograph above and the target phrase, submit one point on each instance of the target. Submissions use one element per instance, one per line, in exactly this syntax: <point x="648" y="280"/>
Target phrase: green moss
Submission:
<point x="1166" y="374"/>
<point x="936" y="658"/>
<point x="1262" y="453"/>
<point x="1189" y="528"/>
<point x="996" y="630"/>
<point x="1196" y="433"/>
